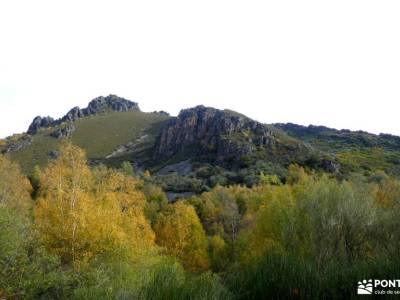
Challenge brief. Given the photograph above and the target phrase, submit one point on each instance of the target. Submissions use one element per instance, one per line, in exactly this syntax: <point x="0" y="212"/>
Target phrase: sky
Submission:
<point x="333" y="63"/>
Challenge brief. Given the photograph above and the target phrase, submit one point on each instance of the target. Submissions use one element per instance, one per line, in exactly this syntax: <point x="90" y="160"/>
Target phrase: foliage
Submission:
<point x="179" y="230"/>
<point x="98" y="233"/>
<point x="127" y="168"/>
<point x="15" y="189"/>
<point x="80" y="214"/>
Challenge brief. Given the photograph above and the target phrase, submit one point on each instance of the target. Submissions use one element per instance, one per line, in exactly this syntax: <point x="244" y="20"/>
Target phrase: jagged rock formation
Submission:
<point x="64" y="131"/>
<point x="40" y="122"/>
<point x="207" y="129"/>
<point x="73" y="114"/>
<point x="96" y="106"/>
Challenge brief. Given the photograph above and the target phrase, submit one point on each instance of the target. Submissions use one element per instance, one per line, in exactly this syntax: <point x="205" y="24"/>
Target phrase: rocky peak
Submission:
<point x="210" y="129"/>
<point x="38" y="123"/>
<point x="161" y="112"/>
<point x="112" y="102"/>
<point x="98" y="105"/>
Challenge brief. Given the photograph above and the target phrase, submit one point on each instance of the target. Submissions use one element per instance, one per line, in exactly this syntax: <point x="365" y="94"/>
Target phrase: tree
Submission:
<point x="65" y="210"/>
<point x="80" y="214"/>
<point x="296" y="174"/>
<point x="127" y="168"/>
<point x="15" y="188"/>
<point x="35" y="180"/>
<point x="156" y="201"/>
<point x="115" y="188"/>
<point x="218" y="253"/>
<point x="219" y="208"/>
<point x="179" y="230"/>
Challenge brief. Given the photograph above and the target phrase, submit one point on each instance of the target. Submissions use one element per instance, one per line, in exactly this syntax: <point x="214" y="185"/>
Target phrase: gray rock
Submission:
<point x="181" y="168"/>
<point x="330" y="166"/>
<point x="96" y="106"/>
<point x="72" y="115"/>
<point x="112" y="102"/>
<point x="39" y="122"/>
<point x="172" y="197"/>
<point x="64" y="131"/>
<point x="53" y="154"/>
<point x="19" y="145"/>
<point x="161" y="112"/>
<point x="211" y="130"/>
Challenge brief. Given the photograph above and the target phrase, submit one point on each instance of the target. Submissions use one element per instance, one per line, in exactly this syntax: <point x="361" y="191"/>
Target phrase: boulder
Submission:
<point x="53" y="154"/>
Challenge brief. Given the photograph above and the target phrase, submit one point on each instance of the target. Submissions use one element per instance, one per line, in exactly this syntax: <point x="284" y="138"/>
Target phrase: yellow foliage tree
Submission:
<point x="80" y="215"/>
<point x="115" y="187"/>
<point x="296" y="175"/>
<point x="179" y="230"/>
<point x="15" y="188"/>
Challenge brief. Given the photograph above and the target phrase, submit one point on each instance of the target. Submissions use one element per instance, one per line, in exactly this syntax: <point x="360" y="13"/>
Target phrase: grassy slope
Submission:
<point x="357" y="151"/>
<point x="98" y="135"/>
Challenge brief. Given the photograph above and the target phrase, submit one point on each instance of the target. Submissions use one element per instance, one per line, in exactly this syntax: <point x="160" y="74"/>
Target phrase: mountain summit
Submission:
<point x="96" y="106"/>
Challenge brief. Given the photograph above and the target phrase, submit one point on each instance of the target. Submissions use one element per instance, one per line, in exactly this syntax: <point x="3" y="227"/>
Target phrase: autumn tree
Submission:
<point x="179" y="230"/>
<point x="115" y="188"/>
<point x="15" y="188"/>
<point x="65" y="213"/>
<point x="218" y="253"/>
<point x="296" y="174"/>
<point x="81" y="214"/>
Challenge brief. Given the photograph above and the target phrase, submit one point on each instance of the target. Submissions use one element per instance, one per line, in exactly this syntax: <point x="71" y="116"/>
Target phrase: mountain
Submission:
<point x="96" y="106"/>
<point x="107" y="124"/>
<point x="201" y="147"/>
<point x="356" y="151"/>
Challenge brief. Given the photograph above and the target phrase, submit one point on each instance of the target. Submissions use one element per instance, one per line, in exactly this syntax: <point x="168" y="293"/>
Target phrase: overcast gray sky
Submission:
<point x="334" y="63"/>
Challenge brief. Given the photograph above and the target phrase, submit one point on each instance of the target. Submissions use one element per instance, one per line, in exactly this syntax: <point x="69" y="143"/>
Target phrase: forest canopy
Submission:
<point x="72" y="231"/>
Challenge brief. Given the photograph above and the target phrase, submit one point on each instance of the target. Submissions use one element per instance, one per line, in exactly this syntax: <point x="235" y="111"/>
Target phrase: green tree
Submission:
<point x="127" y="168"/>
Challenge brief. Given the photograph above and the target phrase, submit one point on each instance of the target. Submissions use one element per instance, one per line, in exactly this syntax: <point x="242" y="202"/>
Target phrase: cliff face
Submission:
<point x="96" y="106"/>
<point x="211" y="130"/>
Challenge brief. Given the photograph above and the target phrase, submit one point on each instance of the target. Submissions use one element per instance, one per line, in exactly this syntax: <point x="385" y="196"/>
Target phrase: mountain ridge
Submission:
<point x="202" y="146"/>
<point x="95" y="106"/>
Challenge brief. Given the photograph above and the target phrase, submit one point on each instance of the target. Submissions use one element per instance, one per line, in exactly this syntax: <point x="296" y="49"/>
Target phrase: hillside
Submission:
<point x="356" y="151"/>
<point x="202" y="147"/>
<point x="99" y="134"/>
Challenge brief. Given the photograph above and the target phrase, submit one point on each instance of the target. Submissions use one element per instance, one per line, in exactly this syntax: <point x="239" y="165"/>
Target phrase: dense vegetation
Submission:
<point x="79" y="232"/>
<point x="356" y="151"/>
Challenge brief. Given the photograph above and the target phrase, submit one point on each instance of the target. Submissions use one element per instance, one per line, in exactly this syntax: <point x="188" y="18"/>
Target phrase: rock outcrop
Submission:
<point x="40" y="122"/>
<point x="207" y="130"/>
<point x="96" y="106"/>
<point x="161" y="112"/>
<point x="111" y="102"/>
<point x="64" y="131"/>
<point x="19" y="144"/>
